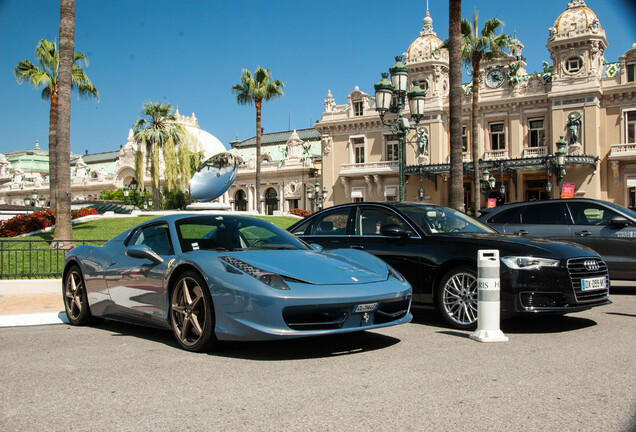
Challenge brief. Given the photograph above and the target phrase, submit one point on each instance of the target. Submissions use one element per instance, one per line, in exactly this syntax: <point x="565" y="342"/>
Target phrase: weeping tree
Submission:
<point x="158" y="136"/>
<point x="254" y="89"/>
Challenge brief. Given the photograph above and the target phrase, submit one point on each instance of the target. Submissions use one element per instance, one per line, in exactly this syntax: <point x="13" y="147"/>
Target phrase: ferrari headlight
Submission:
<point x="393" y="272"/>
<point x="268" y="278"/>
<point x="528" y="262"/>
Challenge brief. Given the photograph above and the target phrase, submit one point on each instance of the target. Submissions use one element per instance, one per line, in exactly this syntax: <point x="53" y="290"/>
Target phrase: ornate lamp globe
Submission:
<point x="399" y="76"/>
<point x="491" y="182"/>
<point x="383" y="94"/>
<point x="485" y="176"/>
<point x="416" y="97"/>
<point x="126" y="191"/>
<point x="133" y="184"/>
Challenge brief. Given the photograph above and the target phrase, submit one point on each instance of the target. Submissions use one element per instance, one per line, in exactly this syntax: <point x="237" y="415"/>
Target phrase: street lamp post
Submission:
<point x="130" y="190"/>
<point x="316" y="195"/>
<point x="558" y="162"/>
<point x="488" y="182"/>
<point x="384" y="92"/>
<point x="559" y="155"/>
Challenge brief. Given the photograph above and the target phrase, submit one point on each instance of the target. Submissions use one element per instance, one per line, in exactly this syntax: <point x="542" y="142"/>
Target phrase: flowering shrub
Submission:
<point x="83" y="212"/>
<point x="26" y="223"/>
<point x="300" y="212"/>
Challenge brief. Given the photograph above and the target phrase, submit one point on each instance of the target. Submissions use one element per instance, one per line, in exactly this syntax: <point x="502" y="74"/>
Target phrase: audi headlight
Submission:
<point x="528" y="262"/>
<point x="268" y="278"/>
<point x="393" y="272"/>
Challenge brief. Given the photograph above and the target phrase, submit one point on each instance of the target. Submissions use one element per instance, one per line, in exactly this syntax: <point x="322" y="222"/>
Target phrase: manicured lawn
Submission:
<point x="30" y="256"/>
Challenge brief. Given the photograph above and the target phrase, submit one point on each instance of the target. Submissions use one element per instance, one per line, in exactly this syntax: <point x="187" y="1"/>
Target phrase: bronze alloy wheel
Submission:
<point x="191" y="313"/>
<point x="75" y="301"/>
<point x="457" y="298"/>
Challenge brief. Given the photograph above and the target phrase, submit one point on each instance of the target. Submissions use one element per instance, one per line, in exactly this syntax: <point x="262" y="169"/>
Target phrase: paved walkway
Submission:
<point x="31" y="302"/>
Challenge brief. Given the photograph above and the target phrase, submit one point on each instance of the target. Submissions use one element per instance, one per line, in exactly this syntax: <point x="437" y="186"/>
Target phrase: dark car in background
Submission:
<point x="607" y="228"/>
<point x="435" y="249"/>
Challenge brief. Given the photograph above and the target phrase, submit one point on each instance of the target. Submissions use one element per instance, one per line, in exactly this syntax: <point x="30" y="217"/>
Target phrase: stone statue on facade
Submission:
<point x="574" y="127"/>
<point x="5" y="166"/>
<point x="330" y="103"/>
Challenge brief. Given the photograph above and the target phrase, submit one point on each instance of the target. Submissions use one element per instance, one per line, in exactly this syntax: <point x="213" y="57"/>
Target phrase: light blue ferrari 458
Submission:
<point x="224" y="277"/>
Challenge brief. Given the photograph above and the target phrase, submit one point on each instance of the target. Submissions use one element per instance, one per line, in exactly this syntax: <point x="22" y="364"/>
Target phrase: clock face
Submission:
<point x="495" y="77"/>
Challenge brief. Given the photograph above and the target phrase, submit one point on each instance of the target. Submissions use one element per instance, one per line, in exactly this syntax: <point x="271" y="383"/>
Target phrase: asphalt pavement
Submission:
<point x="572" y="373"/>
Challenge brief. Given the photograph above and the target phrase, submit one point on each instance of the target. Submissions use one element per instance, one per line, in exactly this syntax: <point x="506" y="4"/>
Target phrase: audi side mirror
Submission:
<point x="618" y="222"/>
<point x="394" y="230"/>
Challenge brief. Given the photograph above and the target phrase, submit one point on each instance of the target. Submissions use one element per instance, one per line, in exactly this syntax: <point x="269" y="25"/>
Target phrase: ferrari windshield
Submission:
<point x="227" y="232"/>
<point x="435" y="220"/>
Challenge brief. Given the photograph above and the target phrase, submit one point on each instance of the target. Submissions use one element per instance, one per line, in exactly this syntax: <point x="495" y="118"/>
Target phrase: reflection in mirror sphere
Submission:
<point x="213" y="177"/>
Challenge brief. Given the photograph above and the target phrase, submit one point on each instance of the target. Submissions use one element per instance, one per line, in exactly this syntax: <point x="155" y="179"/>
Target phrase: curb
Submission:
<point x="34" y="319"/>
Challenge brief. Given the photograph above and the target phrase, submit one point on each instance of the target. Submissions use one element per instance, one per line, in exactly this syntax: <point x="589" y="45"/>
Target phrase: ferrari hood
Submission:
<point x="336" y="267"/>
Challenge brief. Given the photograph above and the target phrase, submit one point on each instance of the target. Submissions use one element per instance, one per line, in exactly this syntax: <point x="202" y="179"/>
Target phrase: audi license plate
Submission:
<point x="366" y="307"/>
<point x="593" y="284"/>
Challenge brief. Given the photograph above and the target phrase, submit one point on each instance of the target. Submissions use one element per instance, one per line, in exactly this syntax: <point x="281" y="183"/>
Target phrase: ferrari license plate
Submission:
<point x="366" y="307"/>
<point x="593" y="284"/>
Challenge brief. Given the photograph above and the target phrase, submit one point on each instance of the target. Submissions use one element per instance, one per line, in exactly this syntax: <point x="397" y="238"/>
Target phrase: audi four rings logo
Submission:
<point x="591" y="265"/>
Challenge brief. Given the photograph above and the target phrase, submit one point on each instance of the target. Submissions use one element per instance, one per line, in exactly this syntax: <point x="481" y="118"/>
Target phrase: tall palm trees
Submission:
<point x="46" y="76"/>
<point x="158" y="132"/>
<point x="256" y="89"/>
<point x="477" y="47"/>
<point x="63" y="229"/>
<point x="456" y="199"/>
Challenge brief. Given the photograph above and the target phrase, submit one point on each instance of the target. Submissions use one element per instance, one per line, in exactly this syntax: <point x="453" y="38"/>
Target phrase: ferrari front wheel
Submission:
<point x="74" y="295"/>
<point x="192" y="313"/>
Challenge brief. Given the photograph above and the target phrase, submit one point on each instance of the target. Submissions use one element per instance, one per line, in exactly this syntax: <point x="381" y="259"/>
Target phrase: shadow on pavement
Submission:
<point x="124" y="329"/>
<point x="515" y="325"/>
<point x="306" y="348"/>
<point x="622" y="290"/>
<point x="290" y="349"/>
<point x="545" y="324"/>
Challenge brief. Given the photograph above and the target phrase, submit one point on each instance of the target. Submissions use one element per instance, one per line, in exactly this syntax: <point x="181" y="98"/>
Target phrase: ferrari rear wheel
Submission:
<point x="456" y="298"/>
<point x="75" y="300"/>
<point x="192" y="313"/>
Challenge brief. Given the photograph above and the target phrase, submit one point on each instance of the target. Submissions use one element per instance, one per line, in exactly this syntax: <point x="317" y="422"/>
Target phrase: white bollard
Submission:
<point x="488" y="304"/>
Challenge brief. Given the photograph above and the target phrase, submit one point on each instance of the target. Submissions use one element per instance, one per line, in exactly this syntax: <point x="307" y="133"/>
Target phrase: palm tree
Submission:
<point x="158" y="132"/>
<point x="63" y="229"/>
<point x="475" y="48"/>
<point x="256" y="89"/>
<point x="46" y="76"/>
<point x="456" y="199"/>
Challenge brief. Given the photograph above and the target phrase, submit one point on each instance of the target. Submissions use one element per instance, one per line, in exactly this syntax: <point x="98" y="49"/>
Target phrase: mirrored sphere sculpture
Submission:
<point x="214" y="177"/>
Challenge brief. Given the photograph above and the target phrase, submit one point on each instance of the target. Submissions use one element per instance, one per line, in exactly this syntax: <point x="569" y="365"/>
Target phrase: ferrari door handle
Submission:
<point x="356" y="247"/>
<point x="521" y="232"/>
<point x="583" y="233"/>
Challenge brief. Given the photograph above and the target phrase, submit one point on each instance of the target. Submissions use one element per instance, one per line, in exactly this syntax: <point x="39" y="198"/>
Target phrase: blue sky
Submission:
<point x="190" y="52"/>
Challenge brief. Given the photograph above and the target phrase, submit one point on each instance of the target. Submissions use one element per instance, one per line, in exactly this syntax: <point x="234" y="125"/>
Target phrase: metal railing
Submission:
<point x="29" y="259"/>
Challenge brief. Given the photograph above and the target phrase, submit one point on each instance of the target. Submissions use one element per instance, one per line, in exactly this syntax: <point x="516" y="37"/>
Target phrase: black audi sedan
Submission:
<point x="435" y="249"/>
<point x="607" y="228"/>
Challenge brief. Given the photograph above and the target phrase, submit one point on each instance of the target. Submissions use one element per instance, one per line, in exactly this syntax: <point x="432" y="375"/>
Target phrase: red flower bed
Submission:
<point x="300" y="212"/>
<point x="26" y="223"/>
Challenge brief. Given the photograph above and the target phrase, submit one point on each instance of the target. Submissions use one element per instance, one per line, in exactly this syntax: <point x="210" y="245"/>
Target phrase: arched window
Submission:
<point x="271" y="201"/>
<point x="240" y="200"/>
